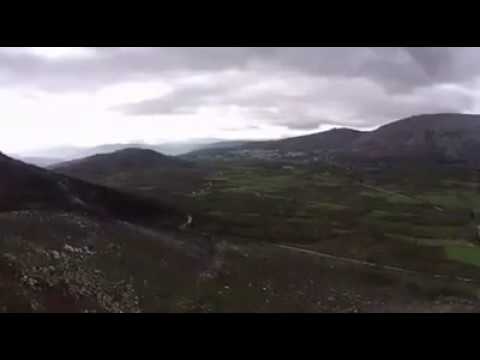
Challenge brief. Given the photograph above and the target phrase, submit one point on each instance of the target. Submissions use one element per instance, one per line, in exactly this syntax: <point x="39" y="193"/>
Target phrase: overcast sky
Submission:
<point x="90" y="96"/>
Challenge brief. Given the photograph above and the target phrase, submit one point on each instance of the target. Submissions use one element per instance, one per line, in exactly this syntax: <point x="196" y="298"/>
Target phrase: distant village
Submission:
<point x="272" y="155"/>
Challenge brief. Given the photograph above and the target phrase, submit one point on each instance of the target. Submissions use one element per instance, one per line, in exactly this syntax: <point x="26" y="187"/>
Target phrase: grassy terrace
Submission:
<point x="464" y="254"/>
<point x="405" y="217"/>
<point x="325" y="209"/>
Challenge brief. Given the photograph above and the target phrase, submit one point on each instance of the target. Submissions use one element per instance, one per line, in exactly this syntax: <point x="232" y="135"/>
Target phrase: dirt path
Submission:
<point x="375" y="188"/>
<point x="374" y="265"/>
<point x="188" y="223"/>
<point x="390" y="192"/>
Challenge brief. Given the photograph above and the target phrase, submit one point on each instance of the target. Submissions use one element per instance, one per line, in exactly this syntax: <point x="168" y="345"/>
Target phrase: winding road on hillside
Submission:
<point x="389" y="192"/>
<point x="373" y="265"/>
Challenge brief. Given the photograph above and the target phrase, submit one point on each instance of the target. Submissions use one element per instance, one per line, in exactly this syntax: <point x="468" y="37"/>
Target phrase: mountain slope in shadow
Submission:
<point x="26" y="187"/>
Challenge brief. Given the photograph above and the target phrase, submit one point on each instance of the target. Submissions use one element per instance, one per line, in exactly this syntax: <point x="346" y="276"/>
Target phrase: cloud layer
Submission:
<point x="294" y="88"/>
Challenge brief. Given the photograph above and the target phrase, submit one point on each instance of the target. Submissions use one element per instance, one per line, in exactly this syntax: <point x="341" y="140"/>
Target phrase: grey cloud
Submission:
<point x="339" y="102"/>
<point x="447" y="65"/>
<point x="306" y="123"/>
<point x="358" y="87"/>
<point x="167" y="105"/>
<point x="432" y="60"/>
<point x="185" y="99"/>
<point x="396" y="69"/>
<point x="240" y="128"/>
<point x="115" y="65"/>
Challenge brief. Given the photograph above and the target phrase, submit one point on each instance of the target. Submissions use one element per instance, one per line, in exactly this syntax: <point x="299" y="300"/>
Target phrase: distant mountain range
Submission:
<point x="335" y="139"/>
<point x="49" y="156"/>
<point x="433" y="138"/>
<point x="446" y="138"/>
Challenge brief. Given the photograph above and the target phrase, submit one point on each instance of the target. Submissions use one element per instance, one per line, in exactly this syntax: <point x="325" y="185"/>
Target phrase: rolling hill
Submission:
<point x="131" y="159"/>
<point x="140" y="171"/>
<point x="26" y="187"/>
<point x="70" y="246"/>
<point x="38" y="161"/>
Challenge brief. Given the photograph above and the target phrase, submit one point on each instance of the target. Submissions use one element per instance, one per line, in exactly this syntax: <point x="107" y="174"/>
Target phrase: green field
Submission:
<point x="467" y="255"/>
<point x="402" y="217"/>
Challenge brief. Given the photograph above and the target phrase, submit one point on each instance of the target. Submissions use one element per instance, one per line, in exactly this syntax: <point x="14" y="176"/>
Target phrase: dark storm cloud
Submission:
<point x="433" y="61"/>
<point x="350" y="86"/>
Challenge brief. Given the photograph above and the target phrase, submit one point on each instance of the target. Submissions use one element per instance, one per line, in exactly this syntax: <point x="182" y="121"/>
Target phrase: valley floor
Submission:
<point x="259" y="238"/>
